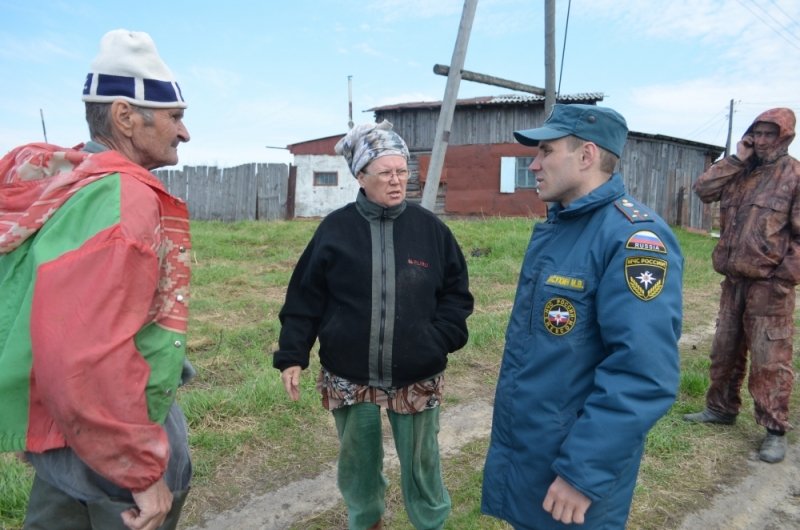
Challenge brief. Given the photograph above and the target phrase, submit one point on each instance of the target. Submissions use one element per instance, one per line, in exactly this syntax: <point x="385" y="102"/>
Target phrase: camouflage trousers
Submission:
<point x="754" y="316"/>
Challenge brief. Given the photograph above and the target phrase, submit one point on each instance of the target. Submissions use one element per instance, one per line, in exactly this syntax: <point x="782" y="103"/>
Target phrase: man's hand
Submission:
<point x="152" y="507"/>
<point x="744" y="149"/>
<point x="565" y="503"/>
<point x="291" y="381"/>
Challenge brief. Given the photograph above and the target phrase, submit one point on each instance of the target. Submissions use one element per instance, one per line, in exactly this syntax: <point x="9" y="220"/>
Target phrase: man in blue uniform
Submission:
<point x="591" y="355"/>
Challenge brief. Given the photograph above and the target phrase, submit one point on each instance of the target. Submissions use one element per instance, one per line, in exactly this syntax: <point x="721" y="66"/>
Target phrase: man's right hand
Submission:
<point x="152" y="507"/>
<point x="565" y="503"/>
<point x="744" y="149"/>
<point x="291" y="381"/>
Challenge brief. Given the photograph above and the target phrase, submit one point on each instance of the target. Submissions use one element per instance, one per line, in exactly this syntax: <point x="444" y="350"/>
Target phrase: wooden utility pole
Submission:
<point x="440" y="69"/>
<point x="549" y="55"/>
<point x="730" y="130"/>
<point x="350" y="102"/>
<point x="44" y="129"/>
<point x="442" y="137"/>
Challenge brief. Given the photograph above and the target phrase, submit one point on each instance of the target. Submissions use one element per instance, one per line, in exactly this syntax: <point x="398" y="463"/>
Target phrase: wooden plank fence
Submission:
<point x="242" y="193"/>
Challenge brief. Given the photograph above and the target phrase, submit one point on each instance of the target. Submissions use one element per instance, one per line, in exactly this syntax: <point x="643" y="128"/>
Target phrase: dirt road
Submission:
<point x="767" y="499"/>
<point x="277" y="510"/>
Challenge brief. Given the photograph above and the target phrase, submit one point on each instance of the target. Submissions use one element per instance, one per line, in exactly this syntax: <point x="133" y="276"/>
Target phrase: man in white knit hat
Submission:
<point x="94" y="271"/>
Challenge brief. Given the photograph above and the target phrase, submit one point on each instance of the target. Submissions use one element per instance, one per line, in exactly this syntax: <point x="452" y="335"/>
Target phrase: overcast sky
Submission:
<point x="270" y="73"/>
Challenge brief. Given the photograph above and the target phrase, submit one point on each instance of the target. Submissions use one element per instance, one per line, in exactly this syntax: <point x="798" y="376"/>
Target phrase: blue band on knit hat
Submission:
<point x="115" y="86"/>
<point x="110" y="85"/>
<point x="164" y="91"/>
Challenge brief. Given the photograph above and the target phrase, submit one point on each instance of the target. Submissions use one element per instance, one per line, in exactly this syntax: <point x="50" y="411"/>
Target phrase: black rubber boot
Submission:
<point x="709" y="416"/>
<point x="773" y="448"/>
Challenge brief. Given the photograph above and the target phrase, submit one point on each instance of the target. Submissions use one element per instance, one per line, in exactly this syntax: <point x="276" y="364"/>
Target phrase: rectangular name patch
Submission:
<point x="576" y="284"/>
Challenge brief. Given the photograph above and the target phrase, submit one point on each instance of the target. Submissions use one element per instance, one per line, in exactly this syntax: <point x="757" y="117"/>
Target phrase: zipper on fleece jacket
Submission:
<point x="382" y="332"/>
<point x="382" y="300"/>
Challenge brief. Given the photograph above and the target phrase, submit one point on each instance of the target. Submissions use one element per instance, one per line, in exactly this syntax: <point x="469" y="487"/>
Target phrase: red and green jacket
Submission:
<point x="94" y="276"/>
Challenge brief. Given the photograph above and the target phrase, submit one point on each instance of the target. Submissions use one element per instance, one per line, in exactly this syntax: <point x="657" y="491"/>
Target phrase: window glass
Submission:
<point x="326" y="178"/>
<point x="525" y="177"/>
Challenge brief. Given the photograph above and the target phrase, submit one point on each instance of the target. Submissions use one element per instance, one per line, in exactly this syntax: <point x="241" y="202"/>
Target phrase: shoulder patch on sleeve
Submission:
<point x="646" y="240"/>
<point x="635" y="213"/>
<point x="645" y="276"/>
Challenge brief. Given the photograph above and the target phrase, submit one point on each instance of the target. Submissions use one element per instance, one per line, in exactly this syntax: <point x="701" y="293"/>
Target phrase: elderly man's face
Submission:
<point x="384" y="180"/>
<point x="156" y="141"/>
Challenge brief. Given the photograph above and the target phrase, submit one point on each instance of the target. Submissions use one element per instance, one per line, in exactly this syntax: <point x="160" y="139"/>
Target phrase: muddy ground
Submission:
<point x="767" y="497"/>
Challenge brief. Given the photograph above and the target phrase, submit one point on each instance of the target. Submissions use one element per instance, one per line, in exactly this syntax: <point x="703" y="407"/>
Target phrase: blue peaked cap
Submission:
<point x="600" y="125"/>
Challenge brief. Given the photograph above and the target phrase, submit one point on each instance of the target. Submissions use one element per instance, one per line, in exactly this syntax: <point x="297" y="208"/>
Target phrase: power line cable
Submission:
<point x="780" y="103"/>
<point x="787" y="15"/>
<point x="759" y="17"/>
<point x="715" y="119"/>
<point x="756" y="14"/>
<point x="778" y="22"/>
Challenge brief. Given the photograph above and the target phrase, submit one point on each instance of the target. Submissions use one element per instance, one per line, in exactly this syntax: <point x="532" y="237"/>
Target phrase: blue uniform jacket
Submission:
<point x="590" y="362"/>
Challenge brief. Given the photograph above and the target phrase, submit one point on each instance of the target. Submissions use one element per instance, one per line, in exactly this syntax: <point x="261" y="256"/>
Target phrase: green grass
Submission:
<point x="15" y="483"/>
<point x="247" y="436"/>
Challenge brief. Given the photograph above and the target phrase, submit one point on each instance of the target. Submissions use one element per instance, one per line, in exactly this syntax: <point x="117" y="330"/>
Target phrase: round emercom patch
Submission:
<point x="559" y="316"/>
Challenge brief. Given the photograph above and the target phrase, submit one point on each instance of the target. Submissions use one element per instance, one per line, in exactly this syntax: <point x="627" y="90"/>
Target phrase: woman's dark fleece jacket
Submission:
<point x="386" y="290"/>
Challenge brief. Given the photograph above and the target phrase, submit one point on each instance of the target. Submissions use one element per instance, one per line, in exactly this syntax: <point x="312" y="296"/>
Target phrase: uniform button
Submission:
<point x="181" y="249"/>
<point x="178" y="344"/>
<point x="179" y="298"/>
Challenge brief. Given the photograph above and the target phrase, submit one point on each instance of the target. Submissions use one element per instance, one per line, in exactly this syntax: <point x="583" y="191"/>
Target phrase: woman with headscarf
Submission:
<point x="384" y="286"/>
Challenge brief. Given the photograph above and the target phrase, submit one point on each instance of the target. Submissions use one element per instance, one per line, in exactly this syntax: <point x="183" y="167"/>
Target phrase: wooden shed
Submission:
<point x="319" y="180"/>
<point x="485" y="169"/>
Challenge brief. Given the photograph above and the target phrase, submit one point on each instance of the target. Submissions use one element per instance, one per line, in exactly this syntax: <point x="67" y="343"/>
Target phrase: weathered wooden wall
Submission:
<point x="660" y="173"/>
<point x="494" y="124"/>
<point x="246" y="192"/>
<point x="658" y="170"/>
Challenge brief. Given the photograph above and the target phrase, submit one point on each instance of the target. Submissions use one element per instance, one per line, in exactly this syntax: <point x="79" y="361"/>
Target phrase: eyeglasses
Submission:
<point x="387" y="175"/>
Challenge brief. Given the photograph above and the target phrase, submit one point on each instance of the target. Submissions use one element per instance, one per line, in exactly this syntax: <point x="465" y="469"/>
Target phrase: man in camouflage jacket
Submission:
<point x="759" y="254"/>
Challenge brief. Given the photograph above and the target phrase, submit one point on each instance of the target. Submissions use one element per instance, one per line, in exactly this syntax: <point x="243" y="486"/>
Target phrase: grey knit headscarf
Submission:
<point x="364" y="143"/>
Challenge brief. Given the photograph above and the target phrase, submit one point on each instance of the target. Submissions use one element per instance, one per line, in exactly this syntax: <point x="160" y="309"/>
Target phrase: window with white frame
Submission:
<point x="326" y="178"/>
<point x="514" y="173"/>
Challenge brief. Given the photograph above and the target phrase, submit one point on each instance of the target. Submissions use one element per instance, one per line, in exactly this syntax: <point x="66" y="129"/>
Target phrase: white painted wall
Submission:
<point x="318" y="201"/>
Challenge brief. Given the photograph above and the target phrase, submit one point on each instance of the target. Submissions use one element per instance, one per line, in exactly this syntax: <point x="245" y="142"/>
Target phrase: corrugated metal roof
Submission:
<point x="583" y="97"/>
<point x="717" y="149"/>
<point x="506" y="99"/>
